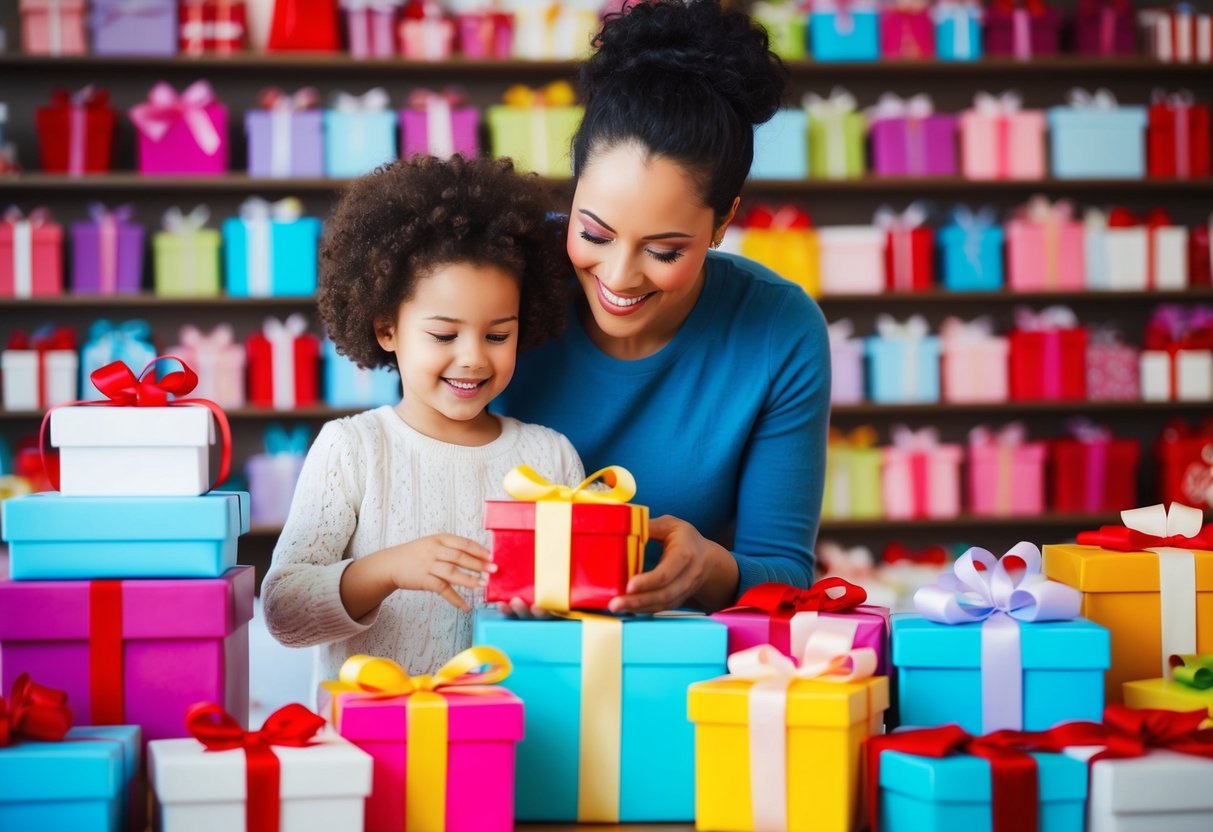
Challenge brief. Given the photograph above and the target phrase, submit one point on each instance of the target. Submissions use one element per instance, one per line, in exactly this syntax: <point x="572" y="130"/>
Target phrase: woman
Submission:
<point x="705" y="375"/>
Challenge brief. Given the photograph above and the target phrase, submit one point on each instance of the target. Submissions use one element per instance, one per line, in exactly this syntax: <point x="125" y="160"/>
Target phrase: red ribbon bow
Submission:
<point x="1124" y="539"/>
<point x="786" y="218"/>
<point x="931" y="555"/>
<point x="782" y="602"/>
<point x="34" y="712"/>
<point x="292" y="725"/>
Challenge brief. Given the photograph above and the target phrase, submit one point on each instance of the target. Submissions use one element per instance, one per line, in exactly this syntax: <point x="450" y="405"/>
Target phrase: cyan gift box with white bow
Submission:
<point x="286" y="136"/>
<point x="348" y="385"/>
<point x="185" y="255"/>
<point x="283" y="363"/>
<point x="910" y="139"/>
<point x="1001" y="140"/>
<point x="837" y="136"/>
<point x="1096" y="138"/>
<point x="844" y="30"/>
<point x="920" y="476"/>
<point x="127" y="341"/>
<point x="182" y="133"/>
<point x="781" y="147"/>
<point x="957" y="30"/>
<point x="272" y="475"/>
<point x="359" y="133"/>
<point x="903" y="362"/>
<point x="997" y="646"/>
<point x="909" y="252"/>
<point x="270" y="250"/>
<point x="975" y="361"/>
<point x="439" y="124"/>
<point x="971" y="251"/>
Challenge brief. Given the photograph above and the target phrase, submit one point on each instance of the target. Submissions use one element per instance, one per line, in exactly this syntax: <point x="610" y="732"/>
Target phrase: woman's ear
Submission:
<point x="718" y="233"/>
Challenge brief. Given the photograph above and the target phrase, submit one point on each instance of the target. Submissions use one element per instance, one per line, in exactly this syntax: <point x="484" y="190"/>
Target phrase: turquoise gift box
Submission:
<point x="902" y="370"/>
<point x="88" y="781"/>
<point x="662" y="656"/>
<point x="781" y="147"/>
<point x="852" y="35"/>
<point x="52" y="537"/>
<point x="357" y="143"/>
<point x="348" y="385"/>
<point x="957" y="31"/>
<point x="971" y="259"/>
<point x="1098" y="143"/>
<point x="939" y="672"/>
<point x="126" y="341"/>
<point x="925" y="794"/>
<point x="285" y="264"/>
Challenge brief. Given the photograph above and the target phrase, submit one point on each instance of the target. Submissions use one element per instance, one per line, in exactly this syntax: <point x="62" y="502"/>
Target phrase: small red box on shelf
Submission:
<point x="1093" y="472"/>
<point x="76" y="132"/>
<point x="212" y="27"/>
<point x="1048" y="356"/>
<point x="283" y="365"/>
<point x="1178" y="137"/>
<point x="1185" y="463"/>
<point x="909" y="251"/>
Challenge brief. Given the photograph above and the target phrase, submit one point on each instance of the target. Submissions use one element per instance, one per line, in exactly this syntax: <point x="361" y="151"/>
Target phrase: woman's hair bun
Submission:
<point x="725" y="48"/>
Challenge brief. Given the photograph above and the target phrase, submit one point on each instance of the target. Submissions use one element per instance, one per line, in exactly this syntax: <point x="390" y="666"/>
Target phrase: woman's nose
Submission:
<point x="618" y="272"/>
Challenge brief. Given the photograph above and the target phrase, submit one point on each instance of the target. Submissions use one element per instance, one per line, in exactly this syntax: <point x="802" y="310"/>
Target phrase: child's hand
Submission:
<point x="439" y="563"/>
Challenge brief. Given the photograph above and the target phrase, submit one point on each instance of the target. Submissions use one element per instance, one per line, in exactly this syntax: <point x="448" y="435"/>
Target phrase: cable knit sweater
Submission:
<point x="369" y="482"/>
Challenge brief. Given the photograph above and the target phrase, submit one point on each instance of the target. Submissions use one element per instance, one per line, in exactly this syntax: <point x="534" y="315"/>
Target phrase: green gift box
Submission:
<point x="538" y="139"/>
<point x="186" y="255"/>
<point x="837" y="134"/>
<point x="787" y="27"/>
<point x="852" y="482"/>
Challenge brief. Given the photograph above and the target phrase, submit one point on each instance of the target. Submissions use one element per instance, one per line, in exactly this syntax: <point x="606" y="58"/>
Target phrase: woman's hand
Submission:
<point x="692" y="568"/>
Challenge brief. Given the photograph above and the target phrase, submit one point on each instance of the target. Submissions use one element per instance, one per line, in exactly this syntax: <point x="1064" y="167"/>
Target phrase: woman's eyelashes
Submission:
<point x="659" y="256"/>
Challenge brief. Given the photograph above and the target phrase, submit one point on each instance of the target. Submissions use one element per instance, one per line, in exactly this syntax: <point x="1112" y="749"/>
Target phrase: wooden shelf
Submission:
<point x="145" y="300"/>
<point x="320" y="411"/>
<point x="871" y="410"/>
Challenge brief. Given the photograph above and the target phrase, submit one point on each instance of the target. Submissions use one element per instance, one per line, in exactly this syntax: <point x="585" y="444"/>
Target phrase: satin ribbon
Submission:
<point x="910" y="334"/>
<point x="1101" y="100"/>
<point x="960" y="333"/>
<point x="108" y="224"/>
<point x="103" y="14"/>
<point x="259" y="218"/>
<point x="931" y="555"/>
<point x="861" y="438"/>
<point x="1001" y="109"/>
<point x="1000" y="593"/>
<point x="975" y="226"/>
<point x="792" y="610"/>
<point x="186" y="228"/>
<point x="78" y="105"/>
<point x="843" y="11"/>
<point x="282" y="337"/>
<point x="899" y="228"/>
<point x="292" y="725"/>
<point x="164" y="108"/>
<point x="914" y="111"/>
<point x="1193" y="671"/>
<point x="554" y="524"/>
<point x="785" y="218"/>
<point x="439" y="118"/>
<point x="601" y="731"/>
<point x="472" y="671"/>
<point x="23" y="228"/>
<point x="840" y="332"/>
<point x="1125" y="733"/>
<point x="832" y="112"/>
<point x="33" y="712"/>
<point x="282" y="108"/>
<point x="1171" y="533"/>
<point x="961" y="14"/>
<point x="917" y="448"/>
<point x="829" y="656"/>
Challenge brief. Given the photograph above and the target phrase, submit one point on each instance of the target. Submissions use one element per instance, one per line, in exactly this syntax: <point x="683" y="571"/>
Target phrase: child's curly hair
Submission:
<point x="398" y="224"/>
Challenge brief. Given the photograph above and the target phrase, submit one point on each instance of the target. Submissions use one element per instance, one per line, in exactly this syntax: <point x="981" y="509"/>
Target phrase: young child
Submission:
<point x="442" y="270"/>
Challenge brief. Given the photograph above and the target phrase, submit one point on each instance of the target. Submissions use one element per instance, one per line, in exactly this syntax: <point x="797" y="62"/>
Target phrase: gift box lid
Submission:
<point x="183" y="771"/>
<point x="487" y="713"/>
<point x="1092" y="569"/>
<point x="588" y="518"/>
<point x="655" y="640"/>
<point x="1063" y="117"/>
<point x="966" y="779"/>
<point x="110" y="427"/>
<point x="152" y="609"/>
<point x="49" y="516"/>
<point x="811" y="702"/>
<point x="1162" y="781"/>
<point x="95" y="769"/>
<point x="1051" y="645"/>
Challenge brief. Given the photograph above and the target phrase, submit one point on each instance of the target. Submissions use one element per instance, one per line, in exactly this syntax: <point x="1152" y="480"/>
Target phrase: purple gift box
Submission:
<point x="752" y="628"/>
<point x="134" y="27"/>
<point x="144" y="651"/>
<point x="182" y="133"/>
<point x="913" y="146"/>
<point x="285" y="143"/>
<point x="1105" y="27"/>
<point x="271" y="480"/>
<point x="432" y="125"/>
<point x="1022" y="32"/>
<point x="107" y="253"/>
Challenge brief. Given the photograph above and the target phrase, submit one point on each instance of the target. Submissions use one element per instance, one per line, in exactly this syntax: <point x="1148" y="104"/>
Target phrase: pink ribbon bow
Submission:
<point x="164" y="107"/>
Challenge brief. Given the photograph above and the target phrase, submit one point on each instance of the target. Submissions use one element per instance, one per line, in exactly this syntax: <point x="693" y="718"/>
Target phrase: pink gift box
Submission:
<point x="752" y="628"/>
<point x="1113" y="370"/>
<point x="485" y="35"/>
<point x="219" y="360"/>
<point x="906" y="33"/>
<point x="31" y="255"/>
<point x="372" y="29"/>
<point x="427" y="39"/>
<point x="1000" y="141"/>
<point x="974" y="362"/>
<point x="1006" y="473"/>
<point x="175" y="643"/>
<point x="482" y="730"/>
<point x="1045" y="249"/>
<point x="182" y="133"/>
<point x="53" y="27"/>
<point x="437" y="124"/>
<point x="920" y="477"/>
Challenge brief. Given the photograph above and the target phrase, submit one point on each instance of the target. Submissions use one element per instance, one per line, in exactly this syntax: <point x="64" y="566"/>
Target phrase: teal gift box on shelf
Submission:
<point x="903" y="362"/>
<point x="1096" y="139"/>
<point x="649" y="775"/>
<point x="52" y="537"/>
<point x="348" y="385"/>
<point x="88" y="780"/>
<point x="356" y="141"/>
<point x="971" y="255"/>
<point x="781" y="147"/>
<point x="270" y="250"/>
<point x="845" y="34"/>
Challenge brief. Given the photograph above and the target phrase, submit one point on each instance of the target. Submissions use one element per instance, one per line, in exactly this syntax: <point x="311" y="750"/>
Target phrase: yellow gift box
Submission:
<point x="1190" y="690"/>
<point x="792" y="253"/>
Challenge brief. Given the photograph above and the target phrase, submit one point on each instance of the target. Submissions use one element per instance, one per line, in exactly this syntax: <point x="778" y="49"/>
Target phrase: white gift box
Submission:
<point x="1170" y="266"/>
<point x="1193" y="376"/>
<point x="1163" y="790"/>
<point x="1126" y="259"/>
<point x="852" y="260"/>
<point x="323" y="787"/>
<point x="59" y="369"/>
<point x="133" y="451"/>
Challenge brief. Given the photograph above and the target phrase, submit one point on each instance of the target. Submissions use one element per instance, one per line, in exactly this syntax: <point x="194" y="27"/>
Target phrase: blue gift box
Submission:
<point x="849" y="36"/>
<point x="926" y="794"/>
<point x="128" y="341"/>
<point x="661" y="658"/>
<point x="1105" y="143"/>
<point x="86" y="782"/>
<point x="971" y="259"/>
<point x="902" y="370"/>
<point x="957" y="31"/>
<point x="348" y="385"/>
<point x="52" y="537"/>
<point x="357" y="143"/>
<point x="939" y="672"/>
<point x="781" y="147"/>
<point x="288" y="266"/>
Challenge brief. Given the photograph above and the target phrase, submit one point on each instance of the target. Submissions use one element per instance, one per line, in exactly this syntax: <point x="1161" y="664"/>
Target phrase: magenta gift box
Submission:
<point x="907" y="33"/>
<point x="752" y="628"/>
<point x="107" y="258"/>
<point x="482" y="730"/>
<point x="181" y="642"/>
<point x="914" y="146"/>
<point x="182" y="133"/>
<point x="458" y="135"/>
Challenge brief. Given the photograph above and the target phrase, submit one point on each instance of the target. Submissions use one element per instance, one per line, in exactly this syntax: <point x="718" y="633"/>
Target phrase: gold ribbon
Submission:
<point x="860" y="438"/>
<point x="555" y="94"/>
<point x="426" y="714"/>
<point x="554" y="524"/>
<point x="598" y="757"/>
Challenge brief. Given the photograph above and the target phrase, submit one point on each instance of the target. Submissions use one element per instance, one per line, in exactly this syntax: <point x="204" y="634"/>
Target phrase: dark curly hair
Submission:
<point x="688" y="82"/>
<point x="398" y="224"/>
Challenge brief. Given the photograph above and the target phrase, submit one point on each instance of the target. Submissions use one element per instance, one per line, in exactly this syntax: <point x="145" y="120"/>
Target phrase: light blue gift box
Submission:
<point x="291" y="255"/>
<point x="1097" y="143"/>
<point x="661" y="658"/>
<point x="128" y="341"/>
<point x="971" y="259"/>
<point x="902" y="370"/>
<point x="348" y="385"/>
<point x="781" y="147"/>
<point x="834" y="38"/>
<point x="357" y="143"/>
<point x="957" y="31"/>
<point x="81" y="783"/>
<point x="926" y="794"/>
<point x="939" y="672"/>
<point x="52" y="537"/>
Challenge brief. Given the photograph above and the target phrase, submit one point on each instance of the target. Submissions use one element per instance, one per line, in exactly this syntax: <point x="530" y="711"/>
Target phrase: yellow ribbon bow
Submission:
<point x="555" y="94"/>
<point x="861" y="437"/>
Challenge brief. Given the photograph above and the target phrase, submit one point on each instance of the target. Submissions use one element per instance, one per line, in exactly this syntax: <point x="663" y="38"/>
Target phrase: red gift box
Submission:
<point x="283" y="365"/>
<point x="1185" y="464"/>
<point x="1178" y="137"/>
<point x="1094" y="472"/>
<point x="1022" y="29"/>
<point x="1105" y="27"/>
<point x="1048" y="364"/>
<point x="212" y="26"/>
<point x="1200" y="256"/>
<point x="76" y="132"/>
<point x="304" y="26"/>
<point x="909" y="259"/>
<point x="31" y="254"/>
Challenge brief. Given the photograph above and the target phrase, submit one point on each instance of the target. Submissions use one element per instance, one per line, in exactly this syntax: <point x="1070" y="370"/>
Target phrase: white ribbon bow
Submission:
<point x="957" y="331"/>
<point x="914" y="216"/>
<point x="176" y="222"/>
<point x="255" y="208"/>
<point x="839" y="103"/>
<point x="1101" y="99"/>
<point x="891" y="105"/>
<point x="988" y="104"/>
<point x="1046" y="320"/>
<point x="372" y="101"/>
<point x="840" y="331"/>
<point x="1010" y="435"/>
<point x="1159" y="521"/>
<point x="1039" y="209"/>
<point x="912" y="329"/>
<point x="906" y="439"/>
